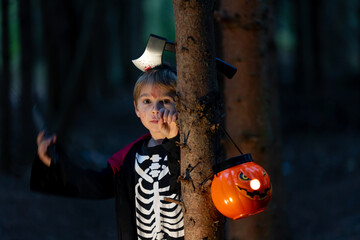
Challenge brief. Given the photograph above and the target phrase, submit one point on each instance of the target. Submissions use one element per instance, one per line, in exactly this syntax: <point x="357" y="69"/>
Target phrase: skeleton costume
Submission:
<point x="155" y="217"/>
<point x="140" y="178"/>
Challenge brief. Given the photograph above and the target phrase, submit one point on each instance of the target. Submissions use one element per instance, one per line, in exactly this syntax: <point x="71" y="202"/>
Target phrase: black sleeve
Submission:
<point x="173" y="150"/>
<point x="63" y="177"/>
<point x="172" y="147"/>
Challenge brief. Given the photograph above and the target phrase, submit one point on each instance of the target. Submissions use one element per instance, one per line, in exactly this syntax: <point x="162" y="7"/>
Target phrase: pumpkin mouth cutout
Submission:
<point x="254" y="195"/>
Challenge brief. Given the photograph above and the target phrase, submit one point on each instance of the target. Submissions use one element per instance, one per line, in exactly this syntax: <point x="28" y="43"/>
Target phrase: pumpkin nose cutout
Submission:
<point x="255" y="184"/>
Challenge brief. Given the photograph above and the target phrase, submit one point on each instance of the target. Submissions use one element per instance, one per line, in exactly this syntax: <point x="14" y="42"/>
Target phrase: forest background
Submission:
<point x="70" y="61"/>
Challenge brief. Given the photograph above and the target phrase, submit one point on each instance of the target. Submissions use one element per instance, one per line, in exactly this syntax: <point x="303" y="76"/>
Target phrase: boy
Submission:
<point x="142" y="176"/>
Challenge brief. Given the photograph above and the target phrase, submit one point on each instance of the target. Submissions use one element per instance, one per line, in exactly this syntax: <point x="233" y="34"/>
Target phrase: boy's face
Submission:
<point x="151" y="99"/>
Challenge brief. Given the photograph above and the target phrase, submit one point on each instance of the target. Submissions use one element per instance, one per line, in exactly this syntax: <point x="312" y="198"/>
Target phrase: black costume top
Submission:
<point x="117" y="179"/>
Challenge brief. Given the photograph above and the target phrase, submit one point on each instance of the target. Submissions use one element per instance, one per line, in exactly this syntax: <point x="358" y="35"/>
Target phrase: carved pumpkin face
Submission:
<point x="241" y="190"/>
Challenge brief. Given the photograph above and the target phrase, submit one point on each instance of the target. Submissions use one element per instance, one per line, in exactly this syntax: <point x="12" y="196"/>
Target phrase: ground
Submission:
<point x="319" y="170"/>
<point x="322" y="185"/>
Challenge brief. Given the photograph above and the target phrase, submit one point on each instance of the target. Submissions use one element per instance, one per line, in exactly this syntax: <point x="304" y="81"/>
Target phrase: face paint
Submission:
<point x="151" y="100"/>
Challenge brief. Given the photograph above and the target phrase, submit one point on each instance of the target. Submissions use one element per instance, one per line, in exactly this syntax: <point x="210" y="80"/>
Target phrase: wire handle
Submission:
<point x="228" y="135"/>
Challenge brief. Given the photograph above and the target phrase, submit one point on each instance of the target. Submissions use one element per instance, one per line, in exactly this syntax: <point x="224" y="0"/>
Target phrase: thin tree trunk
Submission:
<point x="130" y="20"/>
<point x="197" y="107"/>
<point x="249" y="101"/>
<point x="60" y="33"/>
<point x="358" y="38"/>
<point x="67" y="51"/>
<point x="5" y="89"/>
<point x="316" y="35"/>
<point x="51" y="54"/>
<point x="308" y="76"/>
<point x="97" y="76"/>
<point x="26" y="66"/>
<point x="304" y="67"/>
<point x="76" y="81"/>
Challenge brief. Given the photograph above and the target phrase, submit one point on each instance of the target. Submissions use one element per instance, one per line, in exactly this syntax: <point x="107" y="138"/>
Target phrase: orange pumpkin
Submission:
<point x="240" y="187"/>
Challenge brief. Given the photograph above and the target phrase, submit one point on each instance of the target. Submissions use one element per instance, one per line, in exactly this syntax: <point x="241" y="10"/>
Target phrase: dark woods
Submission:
<point x="57" y="55"/>
<point x="67" y="64"/>
<point x="319" y="64"/>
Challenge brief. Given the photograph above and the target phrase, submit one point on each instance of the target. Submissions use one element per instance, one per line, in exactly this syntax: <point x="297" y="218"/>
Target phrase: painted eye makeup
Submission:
<point x="167" y="101"/>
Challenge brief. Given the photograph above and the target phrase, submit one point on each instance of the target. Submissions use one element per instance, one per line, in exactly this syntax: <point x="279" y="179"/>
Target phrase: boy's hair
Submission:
<point x="162" y="75"/>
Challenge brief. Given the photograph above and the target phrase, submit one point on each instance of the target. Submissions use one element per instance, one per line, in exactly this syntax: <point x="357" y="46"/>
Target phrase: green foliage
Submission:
<point x="285" y="36"/>
<point x="14" y="29"/>
<point x="159" y="20"/>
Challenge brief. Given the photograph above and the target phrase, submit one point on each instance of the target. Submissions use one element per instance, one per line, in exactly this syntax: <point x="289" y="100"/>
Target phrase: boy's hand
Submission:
<point x="167" y="123"/>
<point x="43" y="144"/>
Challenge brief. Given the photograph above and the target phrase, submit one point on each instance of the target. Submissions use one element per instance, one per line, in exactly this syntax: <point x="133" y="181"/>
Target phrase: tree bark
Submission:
<point x="5" y="89"/>
<point x="249" y="103"/>
<point x="197" y="108"/>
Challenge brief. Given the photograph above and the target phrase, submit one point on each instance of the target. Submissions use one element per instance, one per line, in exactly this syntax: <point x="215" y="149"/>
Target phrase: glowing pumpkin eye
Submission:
<point x="255" y="184"/>
<point x="243" y="177"/>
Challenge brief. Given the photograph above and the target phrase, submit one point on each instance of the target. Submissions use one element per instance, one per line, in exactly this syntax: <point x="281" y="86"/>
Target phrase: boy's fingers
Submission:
<point x="44" y="144"/>
<point x="174" y="117"/>
<point x="40" y="137"/>
<point x="161" y="113"/>
<point x="170" y="117"/>
<point x="45" y="159"/>
<point x="165" y="116"/>
<point x="42" y="150"/>
<point x="162" y="123"/>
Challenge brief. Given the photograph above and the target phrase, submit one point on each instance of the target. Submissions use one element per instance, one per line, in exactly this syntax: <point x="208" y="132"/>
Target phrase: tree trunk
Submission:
<point x="51" y="31"/>
<point x="5" y="89"/>
<point x="249" y="103"/>
<point x="131" y="28"/>
<point x="67" y="28"/>
<point x="26" y="66"/>
<point x="304" y="67"/>
<point x="197" y="107"/>
<point x="76" y="83"/>
<point x="60" y="32"/>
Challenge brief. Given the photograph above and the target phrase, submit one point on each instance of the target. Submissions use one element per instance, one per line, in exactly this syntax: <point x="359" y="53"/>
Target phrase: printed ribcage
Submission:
<point x="155" y="216"/>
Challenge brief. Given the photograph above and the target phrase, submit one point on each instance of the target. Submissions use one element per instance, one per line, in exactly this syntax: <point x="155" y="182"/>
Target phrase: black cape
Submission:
<point x="117" y="179"/>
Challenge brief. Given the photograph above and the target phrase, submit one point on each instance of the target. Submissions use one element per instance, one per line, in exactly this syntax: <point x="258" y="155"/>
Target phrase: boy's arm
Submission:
<point x="172" y="146"/>
<point x="63" y="177"/>
<point x="173" y="150"/>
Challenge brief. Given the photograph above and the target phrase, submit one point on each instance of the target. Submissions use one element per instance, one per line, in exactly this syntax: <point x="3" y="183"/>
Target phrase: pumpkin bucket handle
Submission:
<point x="231" y="162"/>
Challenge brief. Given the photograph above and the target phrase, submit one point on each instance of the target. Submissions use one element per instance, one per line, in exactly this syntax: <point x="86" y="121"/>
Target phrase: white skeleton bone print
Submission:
<point x="155" y="217"/>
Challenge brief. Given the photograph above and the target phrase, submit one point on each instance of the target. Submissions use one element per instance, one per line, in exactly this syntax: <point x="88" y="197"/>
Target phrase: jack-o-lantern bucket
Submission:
<point x="240" y="187"/>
